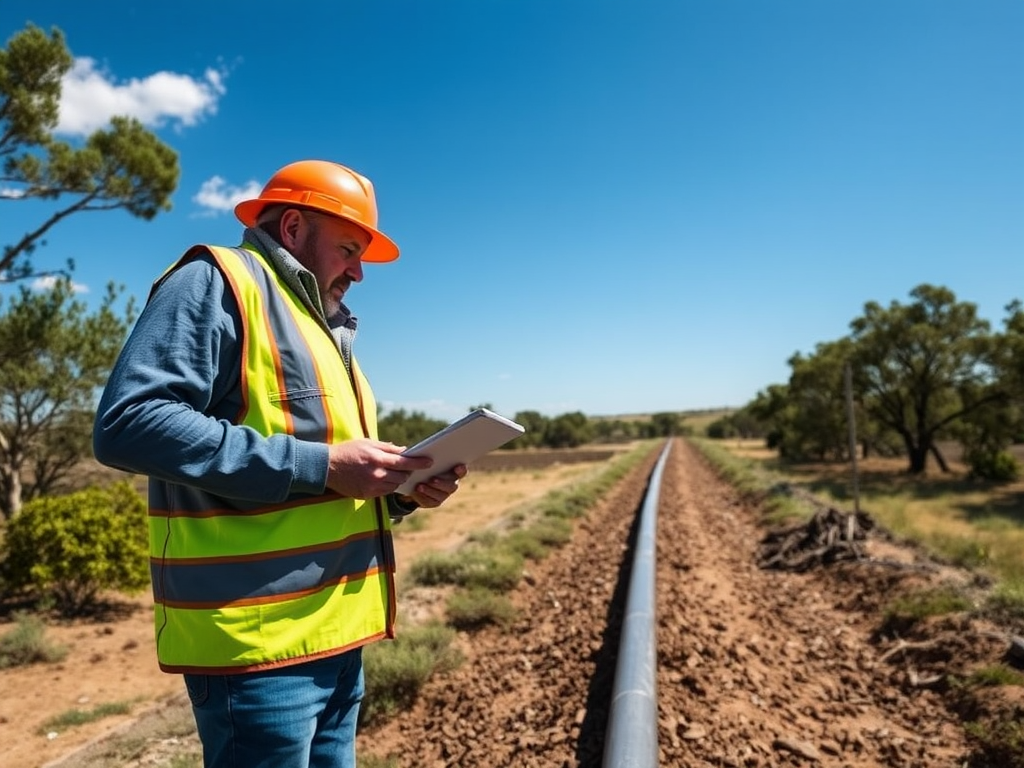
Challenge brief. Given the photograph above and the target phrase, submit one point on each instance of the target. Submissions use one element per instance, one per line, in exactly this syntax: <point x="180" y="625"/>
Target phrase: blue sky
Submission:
<point x="602" y="206"/>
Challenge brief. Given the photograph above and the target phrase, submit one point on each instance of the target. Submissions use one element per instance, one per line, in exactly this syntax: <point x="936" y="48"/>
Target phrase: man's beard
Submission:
<point x="331" y="305"/>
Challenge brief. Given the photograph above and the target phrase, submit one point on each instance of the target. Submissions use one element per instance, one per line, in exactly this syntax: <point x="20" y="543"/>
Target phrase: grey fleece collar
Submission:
<point x="297" y="277"/>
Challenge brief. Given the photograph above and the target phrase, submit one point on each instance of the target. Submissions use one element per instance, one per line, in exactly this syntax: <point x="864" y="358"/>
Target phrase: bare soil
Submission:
<point x="758" y="668"/>
<point x="111" y="657"/>
<point x="755" y="667"/>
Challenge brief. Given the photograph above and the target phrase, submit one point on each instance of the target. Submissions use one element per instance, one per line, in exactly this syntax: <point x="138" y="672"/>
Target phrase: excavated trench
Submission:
<point x="756" y="667"/>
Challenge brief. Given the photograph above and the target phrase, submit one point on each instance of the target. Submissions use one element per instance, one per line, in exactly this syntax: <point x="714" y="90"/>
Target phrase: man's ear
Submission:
<point x="291" y="221"/>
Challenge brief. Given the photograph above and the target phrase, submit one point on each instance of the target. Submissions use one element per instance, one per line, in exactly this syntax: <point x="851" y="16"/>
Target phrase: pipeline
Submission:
<point x="631" y="739"/>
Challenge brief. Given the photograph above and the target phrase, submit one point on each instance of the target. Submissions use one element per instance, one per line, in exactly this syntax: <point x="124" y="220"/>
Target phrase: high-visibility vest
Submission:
<point x="242" y="585"/>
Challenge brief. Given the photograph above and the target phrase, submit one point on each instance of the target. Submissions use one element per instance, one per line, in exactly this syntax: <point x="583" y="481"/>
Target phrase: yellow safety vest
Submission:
<point x="241" y="586"/>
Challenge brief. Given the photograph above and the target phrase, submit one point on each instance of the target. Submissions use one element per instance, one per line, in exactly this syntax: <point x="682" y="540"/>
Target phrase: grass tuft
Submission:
<point x="997" y="674"/>
<point x="75" y="717"/>
<point x="27" y="644"/>
<point x="908" y="609"/>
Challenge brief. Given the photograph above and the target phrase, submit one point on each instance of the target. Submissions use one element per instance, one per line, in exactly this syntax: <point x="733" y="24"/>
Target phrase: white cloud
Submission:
<point x="217" y="195"/>
<point x="46" y="284"/>
<point x="90" y="97"/>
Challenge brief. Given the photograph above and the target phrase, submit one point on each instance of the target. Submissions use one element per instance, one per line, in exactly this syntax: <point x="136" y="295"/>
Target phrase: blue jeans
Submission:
<point x="295" y="717"/>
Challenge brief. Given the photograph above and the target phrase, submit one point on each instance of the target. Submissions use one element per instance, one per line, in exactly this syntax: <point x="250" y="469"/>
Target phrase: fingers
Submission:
<point x="436" y="490"/>
<point x="367" y="468"/>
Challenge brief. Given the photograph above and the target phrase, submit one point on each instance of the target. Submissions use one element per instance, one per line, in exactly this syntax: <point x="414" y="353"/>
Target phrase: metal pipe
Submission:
<point x="631" y="740"/>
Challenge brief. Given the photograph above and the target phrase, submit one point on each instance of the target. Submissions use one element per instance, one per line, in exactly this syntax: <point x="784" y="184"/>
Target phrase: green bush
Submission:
<point x="396" y="671"/>
<point x="469" y="609"/>
<point x="522" y="542"/>
<point x="488" y="568"/>
<point x="999" y="466"/>
<point x="69" y="548"/>
<point x="436" y="568"/>
<point x="534" y="542"/>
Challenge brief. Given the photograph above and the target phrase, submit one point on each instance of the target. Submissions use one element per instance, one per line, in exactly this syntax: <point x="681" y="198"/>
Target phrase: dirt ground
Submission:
<point x="112" y="659"/>
<point x="756" y="669"/>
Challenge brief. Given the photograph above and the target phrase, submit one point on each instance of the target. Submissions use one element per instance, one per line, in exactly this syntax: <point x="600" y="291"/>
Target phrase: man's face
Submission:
<point x="332" y="249"/>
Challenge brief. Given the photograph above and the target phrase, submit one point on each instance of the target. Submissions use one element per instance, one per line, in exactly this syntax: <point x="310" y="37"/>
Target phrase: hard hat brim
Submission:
<point x="381" y="248"/>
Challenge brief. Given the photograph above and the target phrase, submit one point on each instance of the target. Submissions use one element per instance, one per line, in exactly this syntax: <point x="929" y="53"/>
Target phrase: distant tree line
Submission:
<point x="921" y="373"/>
<point x="567" y="430"/>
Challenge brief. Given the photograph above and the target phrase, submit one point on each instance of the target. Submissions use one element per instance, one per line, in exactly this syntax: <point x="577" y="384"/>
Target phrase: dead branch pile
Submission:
<point x="828" y="537"/>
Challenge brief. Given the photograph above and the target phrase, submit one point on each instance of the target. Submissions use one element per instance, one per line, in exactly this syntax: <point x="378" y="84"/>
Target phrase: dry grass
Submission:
<point x="967" y="522"/>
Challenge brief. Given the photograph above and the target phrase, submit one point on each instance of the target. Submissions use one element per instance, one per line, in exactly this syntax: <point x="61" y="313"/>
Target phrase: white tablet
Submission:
<point x="475" y="434"/>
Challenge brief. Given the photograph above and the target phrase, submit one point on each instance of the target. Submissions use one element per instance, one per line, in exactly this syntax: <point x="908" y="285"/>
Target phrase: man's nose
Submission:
<point x="355" y="271"/>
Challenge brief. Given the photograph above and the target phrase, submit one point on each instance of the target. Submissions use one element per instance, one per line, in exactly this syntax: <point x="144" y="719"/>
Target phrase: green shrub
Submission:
<point x="469" y="609"/>
<point x="395" y="671"/>
<point x="999" y="466"/>
<point x="26" y="644"/>
<point x="433" y="569"/>
<point x="523" y="543"/>
<point x="68" y="548"/>
<point x="491" y="568"/>
<point x="534" y="542"/>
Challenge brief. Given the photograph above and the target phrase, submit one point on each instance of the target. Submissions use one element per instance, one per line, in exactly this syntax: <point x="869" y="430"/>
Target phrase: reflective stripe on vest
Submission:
<point x="244" y="585"/>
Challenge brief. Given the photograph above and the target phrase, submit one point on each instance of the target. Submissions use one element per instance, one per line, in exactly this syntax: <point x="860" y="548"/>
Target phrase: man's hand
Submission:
<point x="364" y="468"/>
<point x="436" y="490"/>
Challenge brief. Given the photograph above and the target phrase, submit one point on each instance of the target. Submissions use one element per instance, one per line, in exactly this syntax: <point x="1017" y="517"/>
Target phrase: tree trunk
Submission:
<point x="939" y="458"/>
<point x="10" y="482"/>
<point x="918" y="459"/>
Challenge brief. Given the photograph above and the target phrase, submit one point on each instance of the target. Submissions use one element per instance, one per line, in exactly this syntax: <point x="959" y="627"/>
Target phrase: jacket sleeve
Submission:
<point x="168" y="407"/>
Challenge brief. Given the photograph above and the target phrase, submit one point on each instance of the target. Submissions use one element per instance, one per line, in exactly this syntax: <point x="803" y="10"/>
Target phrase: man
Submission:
<point x="270" y="495"/>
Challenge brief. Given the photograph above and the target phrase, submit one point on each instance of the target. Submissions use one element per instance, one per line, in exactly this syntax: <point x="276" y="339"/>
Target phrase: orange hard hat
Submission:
<point x="328" y="187"/>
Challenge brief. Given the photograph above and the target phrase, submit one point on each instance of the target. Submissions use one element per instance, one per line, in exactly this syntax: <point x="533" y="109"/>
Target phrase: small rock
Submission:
<point x="830" y="748"/>
<point x="801" y="748"/>
<point x="695" y="732"/>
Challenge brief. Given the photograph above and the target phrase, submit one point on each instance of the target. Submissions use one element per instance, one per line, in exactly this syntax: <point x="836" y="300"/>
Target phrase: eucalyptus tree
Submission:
<point x="817" y="424"/>
<point x="921" y="368"/>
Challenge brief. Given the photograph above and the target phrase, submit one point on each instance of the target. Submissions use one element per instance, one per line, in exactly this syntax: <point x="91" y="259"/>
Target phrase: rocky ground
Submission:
<point x="755" y="667"/>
